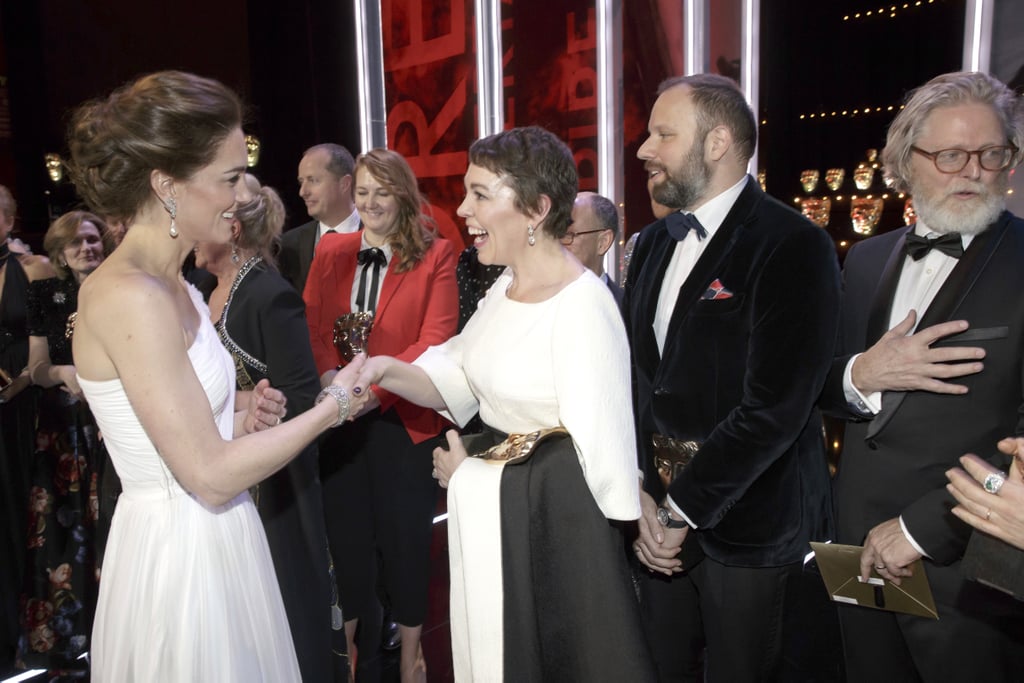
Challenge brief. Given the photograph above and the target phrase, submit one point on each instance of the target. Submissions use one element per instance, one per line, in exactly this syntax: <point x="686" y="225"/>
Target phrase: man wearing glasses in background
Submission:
<point x="594" y="229"/>
<point x="929" y="366"/>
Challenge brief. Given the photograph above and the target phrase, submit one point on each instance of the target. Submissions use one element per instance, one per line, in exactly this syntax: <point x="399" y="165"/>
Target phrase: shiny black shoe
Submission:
<point x="390" y="636"/>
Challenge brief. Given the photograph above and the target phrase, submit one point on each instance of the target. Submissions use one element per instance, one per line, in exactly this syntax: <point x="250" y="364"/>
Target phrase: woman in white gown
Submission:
<point x="540" y="586"/>
<point x="188" y="591"/>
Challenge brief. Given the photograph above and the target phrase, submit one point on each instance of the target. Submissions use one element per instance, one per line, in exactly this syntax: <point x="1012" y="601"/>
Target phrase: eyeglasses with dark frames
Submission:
<point x="568" y="237"/>
<point x="992" y="158"/>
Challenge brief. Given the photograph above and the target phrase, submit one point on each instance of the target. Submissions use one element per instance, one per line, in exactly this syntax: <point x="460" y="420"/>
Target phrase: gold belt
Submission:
<point x="672" y="456"/>
<point x="517" y="447"/>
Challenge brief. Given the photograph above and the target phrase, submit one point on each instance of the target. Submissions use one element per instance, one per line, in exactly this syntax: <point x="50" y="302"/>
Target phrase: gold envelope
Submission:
<point x="840" y="568"/>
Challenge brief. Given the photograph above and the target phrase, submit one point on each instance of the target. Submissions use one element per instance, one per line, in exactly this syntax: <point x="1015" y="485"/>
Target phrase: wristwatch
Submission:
<point x="665" y="519"/>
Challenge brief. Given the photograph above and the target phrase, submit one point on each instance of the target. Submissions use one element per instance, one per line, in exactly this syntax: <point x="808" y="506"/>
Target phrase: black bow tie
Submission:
<point x="372" y="256"/>
<point x="679" y="224"/>
<point x="369" y="257"/>
<point x="950" y="244"/>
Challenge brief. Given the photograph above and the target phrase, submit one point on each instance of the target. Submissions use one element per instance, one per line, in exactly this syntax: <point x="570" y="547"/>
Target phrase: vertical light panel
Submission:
<point x="610" y="115"/>
<point x="750" y="63"/>
<point x="978" y="35"/>
<point x="695" y="37"/>
<point x="490" y="88"/>
<point x="370" y="59"/>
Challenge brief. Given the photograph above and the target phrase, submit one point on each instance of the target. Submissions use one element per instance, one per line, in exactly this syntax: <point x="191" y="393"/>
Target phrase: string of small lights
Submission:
<point x="850" y="113"/>
<point x="887" y="12"/>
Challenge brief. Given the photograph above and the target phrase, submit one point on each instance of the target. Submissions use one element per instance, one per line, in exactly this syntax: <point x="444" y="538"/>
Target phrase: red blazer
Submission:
<point x="417" y="309"/>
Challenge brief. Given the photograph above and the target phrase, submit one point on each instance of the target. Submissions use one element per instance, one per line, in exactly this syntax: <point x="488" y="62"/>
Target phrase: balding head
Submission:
<point x="595" y="225"/>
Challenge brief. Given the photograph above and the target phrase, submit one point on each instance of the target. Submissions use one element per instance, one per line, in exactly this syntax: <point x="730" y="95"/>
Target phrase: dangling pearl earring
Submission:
<point x="171" y="207"/>
<point x="530" y="239"/>
<point x="234" y="253"/>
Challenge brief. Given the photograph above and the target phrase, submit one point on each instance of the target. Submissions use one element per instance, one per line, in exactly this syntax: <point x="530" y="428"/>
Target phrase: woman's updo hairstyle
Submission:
<point x="262" y="220"/>
<point x="169" y="121"/>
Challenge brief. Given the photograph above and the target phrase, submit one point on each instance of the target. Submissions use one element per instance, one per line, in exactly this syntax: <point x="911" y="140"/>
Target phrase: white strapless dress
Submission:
<point x="188" y="591"/>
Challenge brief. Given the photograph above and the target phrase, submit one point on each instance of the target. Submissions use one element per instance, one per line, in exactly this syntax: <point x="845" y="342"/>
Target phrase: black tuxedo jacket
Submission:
<point x="894" y="464"/>
<point x="296" y="255"/>
<point x="741" y="375"/>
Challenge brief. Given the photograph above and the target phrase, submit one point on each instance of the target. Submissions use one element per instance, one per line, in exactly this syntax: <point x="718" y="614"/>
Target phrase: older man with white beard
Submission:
<point x="930" y="366"/>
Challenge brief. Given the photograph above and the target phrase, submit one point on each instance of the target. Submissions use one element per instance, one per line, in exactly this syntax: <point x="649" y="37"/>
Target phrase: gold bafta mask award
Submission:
<point x="809" y="179"/>
<point x="834" y="178"/>
<point x="863" y="176"/>
<point x="817" y="210"/>
<point x="54" y="167"/>
<point x="351" y="332"/>
<point x="252" y="151"/>
<point x="864" y="213"/>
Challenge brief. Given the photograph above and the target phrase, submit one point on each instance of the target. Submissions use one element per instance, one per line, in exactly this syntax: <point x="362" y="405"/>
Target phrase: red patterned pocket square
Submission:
<point x="715" y="291"/>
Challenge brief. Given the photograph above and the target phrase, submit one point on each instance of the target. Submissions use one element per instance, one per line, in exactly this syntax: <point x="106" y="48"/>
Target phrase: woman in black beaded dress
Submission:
<point x="62" y="571"/>
<point x="261" y="321"/>
<point x="17" y="419"/>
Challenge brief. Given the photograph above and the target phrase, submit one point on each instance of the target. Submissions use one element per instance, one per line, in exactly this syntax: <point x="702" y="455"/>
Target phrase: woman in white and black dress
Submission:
<point x="540" y="586"/>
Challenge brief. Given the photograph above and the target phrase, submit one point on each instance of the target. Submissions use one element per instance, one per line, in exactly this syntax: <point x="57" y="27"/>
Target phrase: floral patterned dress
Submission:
<point x="61" y="581"/>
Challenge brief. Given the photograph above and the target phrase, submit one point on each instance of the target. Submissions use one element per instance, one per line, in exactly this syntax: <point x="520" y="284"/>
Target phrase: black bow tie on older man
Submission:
<point x="950" y="244"/>
<point x="369" y="257"/>
<point x="679" y="224"/>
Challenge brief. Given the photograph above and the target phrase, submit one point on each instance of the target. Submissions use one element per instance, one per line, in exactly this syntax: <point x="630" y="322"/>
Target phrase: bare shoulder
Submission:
<point x="122" y="313"/>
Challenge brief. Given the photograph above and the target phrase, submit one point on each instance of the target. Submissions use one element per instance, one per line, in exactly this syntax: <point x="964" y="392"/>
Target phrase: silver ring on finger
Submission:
<point x="879" y="566"/>
<point x="994" y="482"/>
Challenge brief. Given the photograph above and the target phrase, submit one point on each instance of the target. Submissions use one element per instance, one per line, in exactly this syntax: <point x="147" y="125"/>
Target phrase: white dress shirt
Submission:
<point x="386" y="248"/>
<point x="350" y="224"/>
<point x="710" y="214"/>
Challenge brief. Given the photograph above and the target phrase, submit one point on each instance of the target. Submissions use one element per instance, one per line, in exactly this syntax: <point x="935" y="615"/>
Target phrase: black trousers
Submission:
<point x="716" y="622"/>
<point x="379" y="501"/>
<point x="979" y="636"/>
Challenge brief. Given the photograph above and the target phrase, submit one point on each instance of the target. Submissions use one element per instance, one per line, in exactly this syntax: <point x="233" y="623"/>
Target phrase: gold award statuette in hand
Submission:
<point x="351" y="332"/>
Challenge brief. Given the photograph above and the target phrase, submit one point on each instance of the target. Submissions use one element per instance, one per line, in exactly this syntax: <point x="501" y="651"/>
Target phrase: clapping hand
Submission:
<point x="267" y="407"/>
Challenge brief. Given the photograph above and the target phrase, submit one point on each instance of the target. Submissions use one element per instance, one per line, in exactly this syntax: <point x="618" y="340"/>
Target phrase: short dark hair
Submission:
<point x="532" y="162"/>
<point x="169" y="121"/>
<point x="339" y="160"/>
<point x="719" y="102"/>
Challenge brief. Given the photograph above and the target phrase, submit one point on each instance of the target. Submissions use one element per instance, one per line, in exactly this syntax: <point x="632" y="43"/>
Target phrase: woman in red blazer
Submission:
<point x="379" y="495"/>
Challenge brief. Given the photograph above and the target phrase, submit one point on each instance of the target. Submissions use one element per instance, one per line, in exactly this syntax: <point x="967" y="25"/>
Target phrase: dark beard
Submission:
<point x="682" y="189"/>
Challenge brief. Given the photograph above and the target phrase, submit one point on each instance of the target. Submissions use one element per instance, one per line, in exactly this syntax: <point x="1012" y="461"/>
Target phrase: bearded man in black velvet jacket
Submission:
<point x="732" y="321"/>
